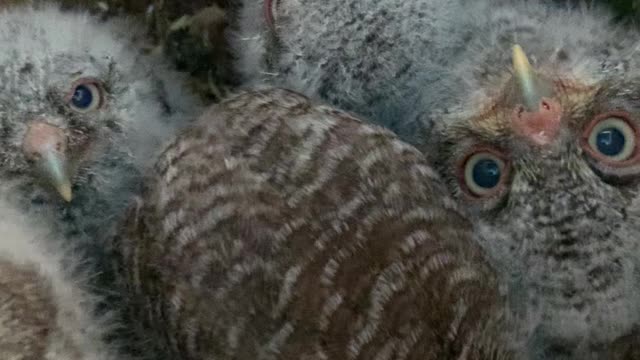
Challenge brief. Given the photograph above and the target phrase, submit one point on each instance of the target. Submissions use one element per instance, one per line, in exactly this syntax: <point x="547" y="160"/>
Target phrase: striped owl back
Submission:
<point x="275" y="228"/>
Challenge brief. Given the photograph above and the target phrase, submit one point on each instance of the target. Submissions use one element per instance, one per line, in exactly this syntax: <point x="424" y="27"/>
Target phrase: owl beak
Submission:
<point x="45" y="145"/>
<point x="532" y="87"/>
<point x="55" y="170"/>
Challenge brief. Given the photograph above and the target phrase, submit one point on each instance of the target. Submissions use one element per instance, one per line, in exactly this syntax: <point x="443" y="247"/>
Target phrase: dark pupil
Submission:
<point x="610" y="141"/>
<point x="82" y="97"/>
<point x="486" y="173"/>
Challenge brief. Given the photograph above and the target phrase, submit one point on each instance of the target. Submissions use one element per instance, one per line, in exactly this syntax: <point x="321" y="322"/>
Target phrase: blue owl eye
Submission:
<point x="86" y="96"/>
<point x="610" y="141"/>
<point x="483" y="173"/>
<point x="82" y="97"/>
<point x="613" y="138"/>
<point x="486" y="173"/>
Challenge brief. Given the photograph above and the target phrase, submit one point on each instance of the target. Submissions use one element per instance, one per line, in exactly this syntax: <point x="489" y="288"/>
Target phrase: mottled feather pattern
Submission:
<point x="276" y="228"/>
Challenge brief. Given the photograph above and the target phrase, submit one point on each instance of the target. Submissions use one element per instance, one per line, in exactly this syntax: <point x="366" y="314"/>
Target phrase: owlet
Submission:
<point x="278" y="228"/>
<point x="540" y="150"/>
<point x="81" y="112"/>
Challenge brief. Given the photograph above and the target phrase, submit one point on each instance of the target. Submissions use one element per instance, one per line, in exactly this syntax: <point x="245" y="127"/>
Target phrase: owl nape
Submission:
<point x="279" y="228"/>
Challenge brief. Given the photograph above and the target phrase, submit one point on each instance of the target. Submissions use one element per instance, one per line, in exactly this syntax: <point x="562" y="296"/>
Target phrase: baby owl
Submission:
<point x="277" y="228"/>
<point x="81" y="111"/>
<point x="541" y="150"/>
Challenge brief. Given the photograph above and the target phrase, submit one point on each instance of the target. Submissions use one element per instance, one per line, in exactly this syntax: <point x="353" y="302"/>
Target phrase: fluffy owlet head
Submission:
<point x="80" y="110"/>
<point x="45" y="311"/>
<point x="544" y="152"/>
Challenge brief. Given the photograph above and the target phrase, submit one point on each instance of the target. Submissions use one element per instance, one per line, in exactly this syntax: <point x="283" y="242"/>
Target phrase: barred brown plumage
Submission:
<point x="275" y="228"/>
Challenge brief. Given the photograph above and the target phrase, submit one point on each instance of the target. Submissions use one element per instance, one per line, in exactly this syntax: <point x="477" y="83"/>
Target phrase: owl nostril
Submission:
<point x="545" y="109"/>
<point x="540" y="126"/>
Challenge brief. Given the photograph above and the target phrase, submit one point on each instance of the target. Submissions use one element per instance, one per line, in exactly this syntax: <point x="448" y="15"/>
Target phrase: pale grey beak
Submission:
<point x="532" y="87"/>
<point x="55" y="170"/>
<point x="46" y="145"/>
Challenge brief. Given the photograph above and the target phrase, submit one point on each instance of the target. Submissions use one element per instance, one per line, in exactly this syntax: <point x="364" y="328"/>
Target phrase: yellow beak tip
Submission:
<point x="53" y="168"/>
<point x="520" y="60"/>
<point x="65" y="193"/>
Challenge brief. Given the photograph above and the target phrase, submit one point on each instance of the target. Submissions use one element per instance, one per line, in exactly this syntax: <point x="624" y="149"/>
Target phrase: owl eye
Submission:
<point x="611" y="139"/>
<point x="483" y="173"/>
<point x="86" y="96"/>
